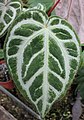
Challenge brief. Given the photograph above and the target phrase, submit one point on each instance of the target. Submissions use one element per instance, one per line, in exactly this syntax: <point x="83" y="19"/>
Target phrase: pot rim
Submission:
<point x="8" y="85"/>
<point x="2" y="61"/>
<point x="6" y="82"/>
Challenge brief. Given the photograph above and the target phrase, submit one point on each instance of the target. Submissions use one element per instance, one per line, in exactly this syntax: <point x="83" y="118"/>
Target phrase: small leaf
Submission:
<point x="43" y="55"/>
<point x="47" y="3"/>
<point x="8" y="11"/>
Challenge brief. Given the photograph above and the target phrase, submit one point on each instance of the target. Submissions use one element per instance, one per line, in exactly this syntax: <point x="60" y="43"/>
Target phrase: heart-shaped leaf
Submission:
<point x="8" y="11"/>
<point x="43" y="56"/>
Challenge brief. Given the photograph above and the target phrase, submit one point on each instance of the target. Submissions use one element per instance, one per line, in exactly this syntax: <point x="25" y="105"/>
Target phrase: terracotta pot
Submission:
<point x="9" y="83"/>
<point x="2" y="61"/>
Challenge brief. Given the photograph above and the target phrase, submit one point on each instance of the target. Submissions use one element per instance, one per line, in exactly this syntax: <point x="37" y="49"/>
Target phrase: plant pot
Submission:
<point x="6" y="84"/>
<point x="2" y="62"/>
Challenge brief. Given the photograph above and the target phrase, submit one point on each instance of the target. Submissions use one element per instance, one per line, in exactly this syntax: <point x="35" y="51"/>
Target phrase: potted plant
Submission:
<point x="42" y="54"/>
<point x="5" y="79"/>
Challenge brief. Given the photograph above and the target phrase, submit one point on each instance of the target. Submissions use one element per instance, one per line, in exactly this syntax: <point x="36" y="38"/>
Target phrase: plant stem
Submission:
<point x="53" y="7"/>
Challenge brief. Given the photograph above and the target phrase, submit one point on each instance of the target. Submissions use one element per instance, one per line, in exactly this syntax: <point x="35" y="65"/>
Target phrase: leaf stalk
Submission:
<point x="53" y="7"/>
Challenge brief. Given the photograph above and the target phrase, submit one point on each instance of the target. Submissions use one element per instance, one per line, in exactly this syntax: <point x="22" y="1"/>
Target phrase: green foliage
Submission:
<point x="46" y="3"/>
<point x="1" y="54"/>
<point x="43" y="56"/>
<point x="82" y="60"/>
<point x="42" y="53"/>
<point x="80" y="77"/>
<point x="9" y="9"/>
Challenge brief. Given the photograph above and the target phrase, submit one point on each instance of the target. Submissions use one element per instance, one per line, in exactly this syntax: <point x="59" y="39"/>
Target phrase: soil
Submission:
<point x="60" y="110"/>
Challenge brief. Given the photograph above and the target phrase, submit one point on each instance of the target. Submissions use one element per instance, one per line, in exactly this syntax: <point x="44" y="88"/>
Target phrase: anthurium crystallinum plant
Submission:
<point x="42" y="54"/>
<point x="9" y="9"/>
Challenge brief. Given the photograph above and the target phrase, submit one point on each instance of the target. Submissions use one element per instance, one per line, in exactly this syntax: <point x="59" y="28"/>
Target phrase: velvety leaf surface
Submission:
<point x="46" y="3"/>
<point x="8" y="11"/>
<point x="43" y="56"/>
<point x="73" y="11"/>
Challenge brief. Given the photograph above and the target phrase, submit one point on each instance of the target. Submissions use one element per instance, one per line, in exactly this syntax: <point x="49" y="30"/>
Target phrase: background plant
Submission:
<point x="80" y="77"/>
